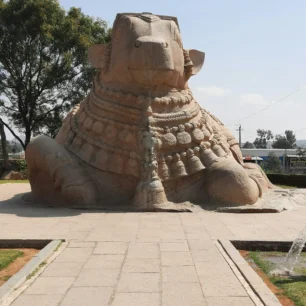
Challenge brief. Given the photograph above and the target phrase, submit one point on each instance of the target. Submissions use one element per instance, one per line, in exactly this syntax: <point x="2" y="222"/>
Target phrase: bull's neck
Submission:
<point x="157" y="99"/>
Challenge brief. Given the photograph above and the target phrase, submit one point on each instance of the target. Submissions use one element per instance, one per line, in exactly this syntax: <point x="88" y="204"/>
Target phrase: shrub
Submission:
<point x="19" y="165"/>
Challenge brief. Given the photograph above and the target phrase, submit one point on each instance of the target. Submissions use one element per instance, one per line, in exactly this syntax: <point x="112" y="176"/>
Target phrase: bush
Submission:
<point x="272" y="164"/>
<point x="19" y="166"/>
<point x="288" y="179"/>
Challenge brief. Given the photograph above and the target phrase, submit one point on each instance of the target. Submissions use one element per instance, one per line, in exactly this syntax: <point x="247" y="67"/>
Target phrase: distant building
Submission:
<point x="20" y="155"/>
<point x="290" y="160"/>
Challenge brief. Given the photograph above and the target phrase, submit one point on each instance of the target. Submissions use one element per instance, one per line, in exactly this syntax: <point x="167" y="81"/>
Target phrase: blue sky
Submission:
<point x="255" y="55"/>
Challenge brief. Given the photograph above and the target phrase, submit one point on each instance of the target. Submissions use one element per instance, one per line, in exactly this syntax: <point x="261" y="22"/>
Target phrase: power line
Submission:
<point x="282" y="99"/>
<point x="299" y="130"/>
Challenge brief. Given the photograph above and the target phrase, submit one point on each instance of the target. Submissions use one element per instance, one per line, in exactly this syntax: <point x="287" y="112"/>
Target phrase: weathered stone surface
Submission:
<point x="140" y="138"/>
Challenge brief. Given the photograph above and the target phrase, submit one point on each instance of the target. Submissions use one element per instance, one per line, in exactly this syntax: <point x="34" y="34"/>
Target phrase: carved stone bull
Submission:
<point x="140" y="138"/>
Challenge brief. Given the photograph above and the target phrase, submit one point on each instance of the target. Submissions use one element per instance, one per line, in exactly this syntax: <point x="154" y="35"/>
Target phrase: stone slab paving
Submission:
<point x="137" y="258"/>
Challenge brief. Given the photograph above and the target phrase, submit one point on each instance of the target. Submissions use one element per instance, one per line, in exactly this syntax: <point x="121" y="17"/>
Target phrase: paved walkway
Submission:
<point x="137" y="258"/>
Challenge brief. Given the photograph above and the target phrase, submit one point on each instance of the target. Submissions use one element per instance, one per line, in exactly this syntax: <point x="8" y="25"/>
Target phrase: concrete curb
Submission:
<point x="255" y="282"/>
<point x="17" y="279"/>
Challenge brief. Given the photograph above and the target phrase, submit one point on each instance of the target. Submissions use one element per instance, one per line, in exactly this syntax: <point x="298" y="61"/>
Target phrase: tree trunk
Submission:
<point x="28" y="134"/>
<point x="6" y="163"/>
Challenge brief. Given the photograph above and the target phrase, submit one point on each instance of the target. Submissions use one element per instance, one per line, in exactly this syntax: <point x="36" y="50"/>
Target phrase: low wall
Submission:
<point x="295" y="180"/>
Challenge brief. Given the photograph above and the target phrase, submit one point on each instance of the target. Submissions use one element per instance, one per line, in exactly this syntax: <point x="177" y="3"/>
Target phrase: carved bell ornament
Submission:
<point x="177" y="167"/>
<point x="194" y="163"/>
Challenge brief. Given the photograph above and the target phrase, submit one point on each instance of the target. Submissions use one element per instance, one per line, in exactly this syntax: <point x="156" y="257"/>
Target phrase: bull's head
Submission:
<point x="147" y="50"/>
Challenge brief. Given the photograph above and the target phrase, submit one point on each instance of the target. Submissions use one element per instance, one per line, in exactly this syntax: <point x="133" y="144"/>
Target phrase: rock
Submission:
<point x="12" y="175"/>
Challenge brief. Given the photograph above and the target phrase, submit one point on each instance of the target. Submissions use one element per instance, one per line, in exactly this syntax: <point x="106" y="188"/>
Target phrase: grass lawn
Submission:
<point x="8" y="256"/>
<point x="13" y="181"/>
<point x="287" y="187"/>
<point x="293" y="287"/>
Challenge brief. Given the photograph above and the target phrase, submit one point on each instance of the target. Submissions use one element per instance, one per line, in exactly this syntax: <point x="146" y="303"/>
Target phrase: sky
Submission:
<point x="255" y="56"/>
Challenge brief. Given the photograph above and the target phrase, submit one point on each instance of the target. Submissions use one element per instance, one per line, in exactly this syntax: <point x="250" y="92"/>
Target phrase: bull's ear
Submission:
<point x="197" y="58"/>
<point x="96" y="55"/>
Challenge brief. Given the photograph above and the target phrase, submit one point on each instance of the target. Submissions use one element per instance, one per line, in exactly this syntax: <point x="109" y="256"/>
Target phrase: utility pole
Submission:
<point x="239" y="129"/>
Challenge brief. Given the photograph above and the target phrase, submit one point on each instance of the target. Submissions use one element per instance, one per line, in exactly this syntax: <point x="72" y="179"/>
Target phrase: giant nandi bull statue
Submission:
<point x="140" y="138"/>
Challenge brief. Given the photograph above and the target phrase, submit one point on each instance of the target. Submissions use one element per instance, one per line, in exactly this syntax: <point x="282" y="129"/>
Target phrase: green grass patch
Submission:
<point x="36" y="270"/>
<point x="287" y="187"/>
<point x="6" y="277"/>
<point x="294" y="287"/>
<point x="8" y="256"/>
<point x="13" y="181"/>
<point x="58" y="246"/>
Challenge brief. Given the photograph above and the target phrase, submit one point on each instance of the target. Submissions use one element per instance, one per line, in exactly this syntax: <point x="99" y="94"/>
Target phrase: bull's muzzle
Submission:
<point x="151" y="60"/>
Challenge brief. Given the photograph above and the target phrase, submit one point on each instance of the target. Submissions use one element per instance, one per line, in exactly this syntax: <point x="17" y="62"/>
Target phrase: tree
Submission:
<point x="263" y="137"/>
<point x="248" y="145"/>
<point x="272" y="164"/>
<point x="301" y="152"/>
<point x="43" y="63"/>
<point x="285" y="142"/>
<point x="6" y="163"/>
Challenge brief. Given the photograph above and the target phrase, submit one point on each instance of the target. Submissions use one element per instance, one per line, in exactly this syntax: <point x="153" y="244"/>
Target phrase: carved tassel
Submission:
<point x="150" y="191"/>
<point x="163" y="171"/>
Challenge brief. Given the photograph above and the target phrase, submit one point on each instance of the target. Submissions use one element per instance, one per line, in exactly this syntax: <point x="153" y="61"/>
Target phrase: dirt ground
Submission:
<point x="17" y="264"/>
<point x="285" y="301"/>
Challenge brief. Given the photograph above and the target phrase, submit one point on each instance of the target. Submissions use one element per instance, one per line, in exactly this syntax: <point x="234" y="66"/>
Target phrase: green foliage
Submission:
<point x="272" y="164"/>
<point x="301" y="152"/>
<point x="263" y="137"/>
<point x="19" y="166"/>
<point x="12" y="147"/>
<point x="248" y="145"/>
<point x="298" y="180"/>
<point x="8" y="147"/>
<point x="44" y="69"/>
<point x="285" y="142"/>
<point x="8" y="256"/>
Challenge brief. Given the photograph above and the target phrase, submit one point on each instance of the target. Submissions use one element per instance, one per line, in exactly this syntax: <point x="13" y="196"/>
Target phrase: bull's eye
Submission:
<point x="137" y="43"/>
<point x="165" y="45"/>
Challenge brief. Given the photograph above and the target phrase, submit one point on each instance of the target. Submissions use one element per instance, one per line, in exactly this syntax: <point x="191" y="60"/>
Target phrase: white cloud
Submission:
<point x="254" y="99"/>
<point x="213" y="91"/>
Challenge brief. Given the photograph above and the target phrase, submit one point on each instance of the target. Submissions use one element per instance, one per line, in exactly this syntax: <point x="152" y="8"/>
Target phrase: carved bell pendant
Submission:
<point x="194" y="163"/>
<point x="177" y="167"/>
